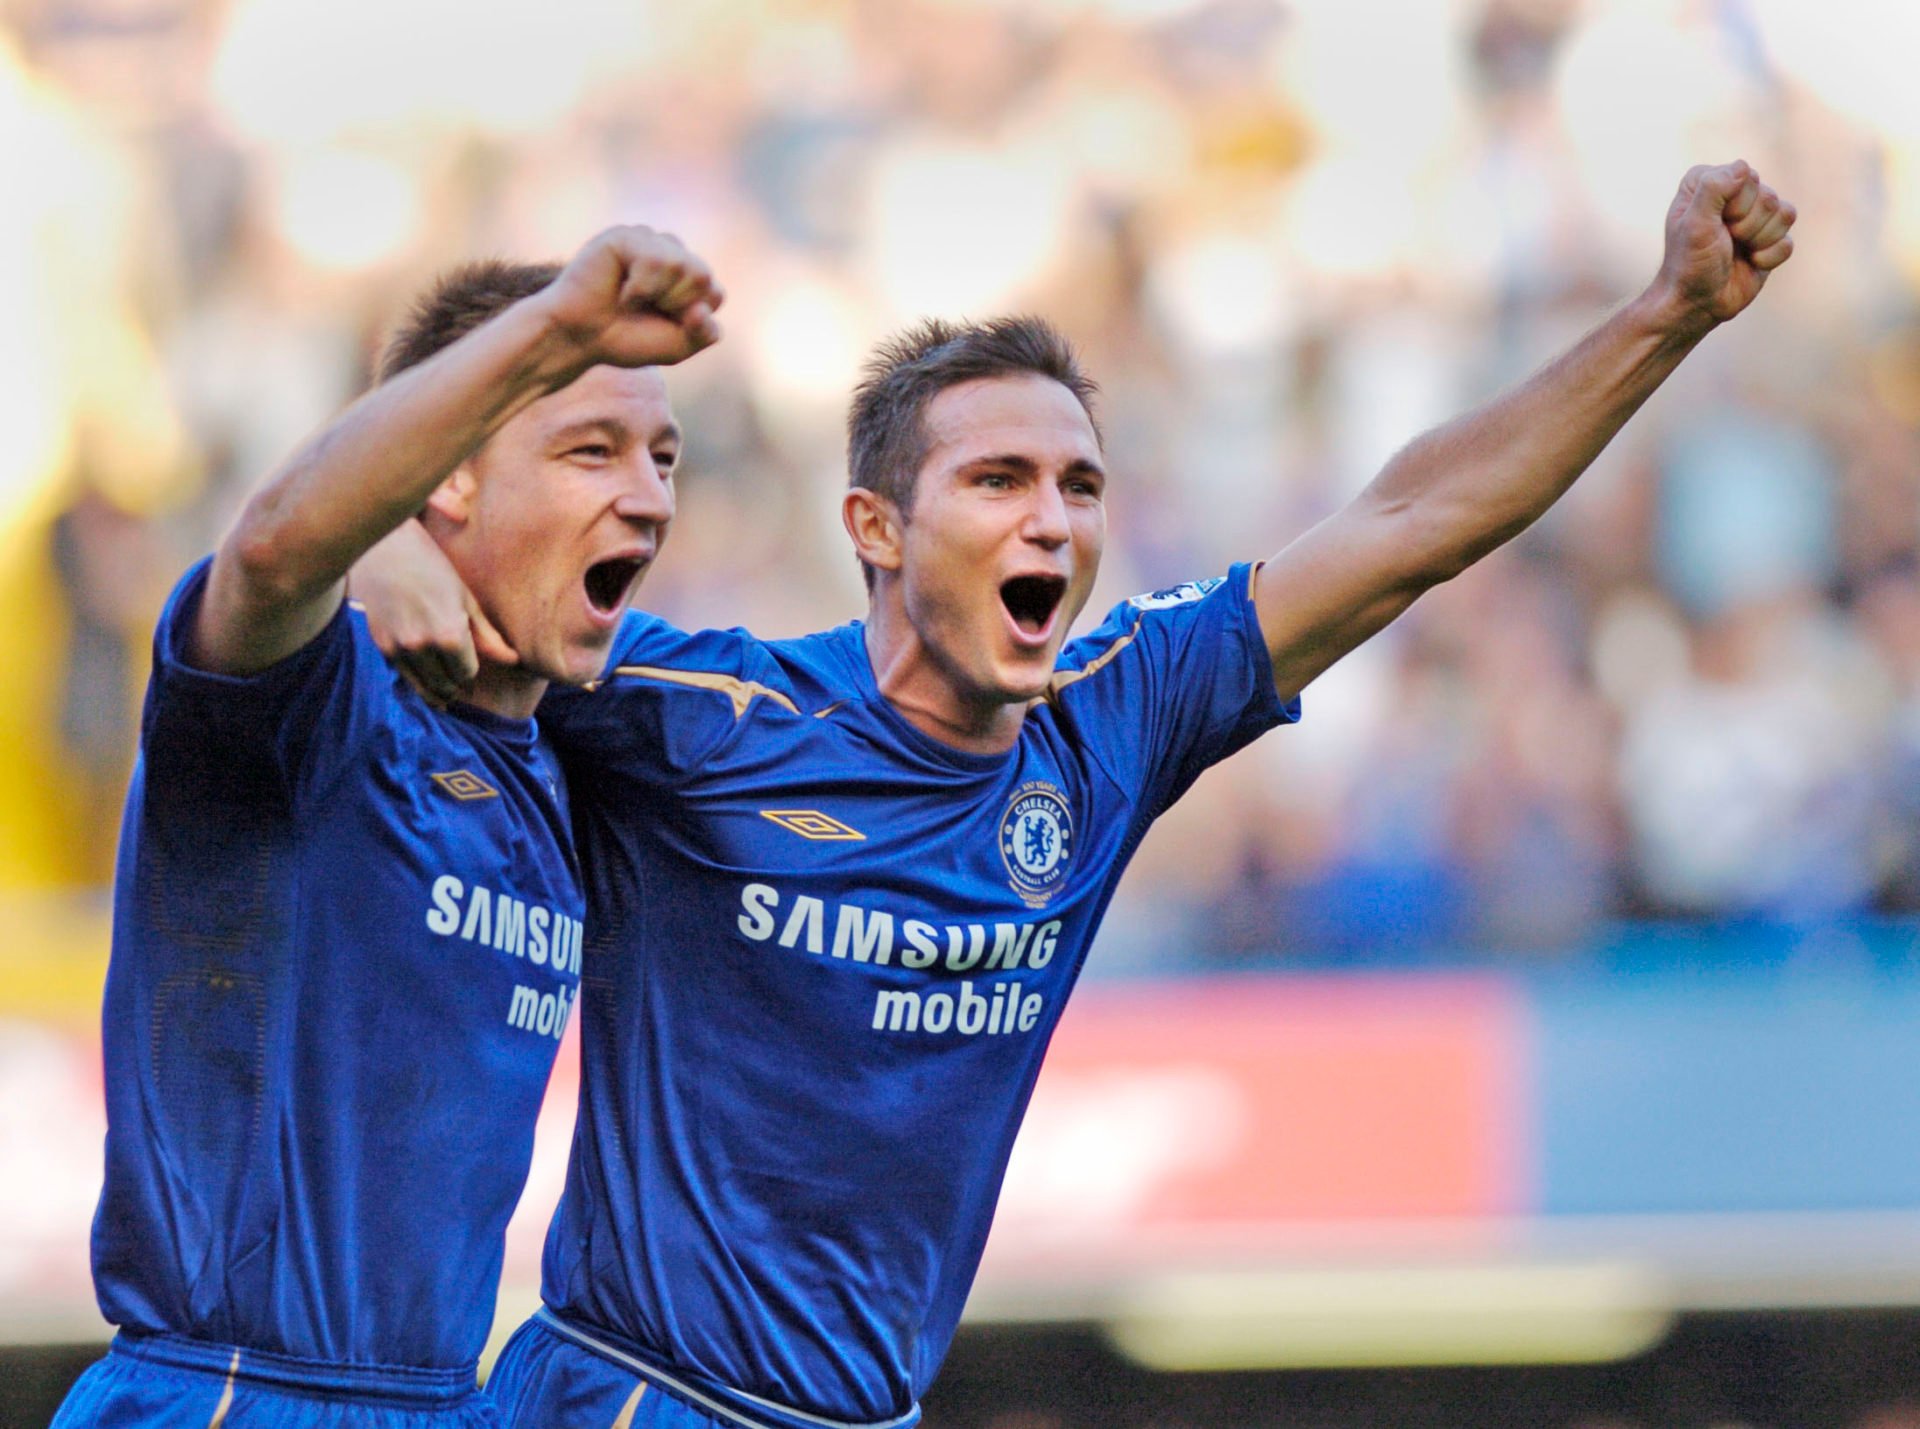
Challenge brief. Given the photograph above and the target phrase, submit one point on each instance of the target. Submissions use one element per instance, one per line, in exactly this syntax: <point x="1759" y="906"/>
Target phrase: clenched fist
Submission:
<point x="1726" y="231"/>
<point x="635" y="298"/>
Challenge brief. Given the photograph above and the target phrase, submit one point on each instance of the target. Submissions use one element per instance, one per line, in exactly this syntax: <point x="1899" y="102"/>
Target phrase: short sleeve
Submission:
<point x="295" y="722"/>
<point x="1171" y="683"/>
<point x="668" y="700"/>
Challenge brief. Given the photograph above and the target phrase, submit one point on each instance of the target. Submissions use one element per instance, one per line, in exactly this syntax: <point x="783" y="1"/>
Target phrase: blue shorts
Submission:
<point x="555" y="1375"/>
<point x="166" y="1382"/>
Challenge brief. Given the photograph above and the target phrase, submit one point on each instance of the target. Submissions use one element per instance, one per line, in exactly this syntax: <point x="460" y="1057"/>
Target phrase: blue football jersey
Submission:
<point x="347" y="935"/>
<point x="826" y="953"/>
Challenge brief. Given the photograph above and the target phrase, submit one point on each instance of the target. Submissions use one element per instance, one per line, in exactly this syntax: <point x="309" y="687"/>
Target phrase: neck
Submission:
<point x="931" y="696"/>
<point x="506" y="691"/>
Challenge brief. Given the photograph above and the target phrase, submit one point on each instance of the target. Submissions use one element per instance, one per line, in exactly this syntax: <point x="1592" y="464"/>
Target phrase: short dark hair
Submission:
<point x="456" y="304"/>
<point x="886" y="430"/>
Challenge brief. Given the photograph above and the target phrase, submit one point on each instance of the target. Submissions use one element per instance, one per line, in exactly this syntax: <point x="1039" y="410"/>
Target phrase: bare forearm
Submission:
<point x="629" y="298"/>
<point x="378" y="462"/>
<point x="1465" y="488"/>
<point x="1458" y="492"/>
<point x="1461" y="490"/>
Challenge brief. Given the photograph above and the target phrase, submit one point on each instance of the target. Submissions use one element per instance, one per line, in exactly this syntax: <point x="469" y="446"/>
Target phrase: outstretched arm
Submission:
<point x="631" y="297"/>
<point x="1462" y="490"/>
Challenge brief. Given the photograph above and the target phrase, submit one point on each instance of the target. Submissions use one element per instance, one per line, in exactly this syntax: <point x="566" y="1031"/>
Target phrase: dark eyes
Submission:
<point x="596" y="453"/>
<point x="1007" y="481"/>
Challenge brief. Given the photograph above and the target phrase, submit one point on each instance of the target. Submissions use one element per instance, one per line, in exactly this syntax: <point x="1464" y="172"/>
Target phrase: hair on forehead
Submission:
<point x="460" y="301"/>
<point x="887" y="440"/>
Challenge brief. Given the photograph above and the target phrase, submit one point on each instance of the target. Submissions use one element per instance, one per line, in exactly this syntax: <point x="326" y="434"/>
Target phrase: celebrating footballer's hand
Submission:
<point x="633" y="297"/>
<point x="423" y="617"/>
<point x="1725" y="232"/>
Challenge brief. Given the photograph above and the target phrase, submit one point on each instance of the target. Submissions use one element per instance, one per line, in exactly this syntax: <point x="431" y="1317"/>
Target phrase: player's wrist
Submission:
<point x="1666" y="308"/>
<point x="560" y="346"/>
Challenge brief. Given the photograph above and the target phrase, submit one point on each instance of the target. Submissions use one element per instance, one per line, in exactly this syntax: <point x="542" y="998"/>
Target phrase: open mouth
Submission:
<point x="610" y="582"/>
<point x="1032" y="600"/>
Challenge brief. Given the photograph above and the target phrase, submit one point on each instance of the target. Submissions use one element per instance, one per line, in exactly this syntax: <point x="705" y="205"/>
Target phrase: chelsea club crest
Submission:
<point x="1036" y="840"/>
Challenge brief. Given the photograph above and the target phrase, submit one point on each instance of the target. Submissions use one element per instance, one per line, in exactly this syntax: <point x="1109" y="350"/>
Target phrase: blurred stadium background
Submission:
<point x="1529" y="1037"/>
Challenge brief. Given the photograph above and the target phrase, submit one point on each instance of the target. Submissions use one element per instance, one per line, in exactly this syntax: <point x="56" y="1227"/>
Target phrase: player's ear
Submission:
<point x="875" y="526"/>
<point x="452" y="499"/>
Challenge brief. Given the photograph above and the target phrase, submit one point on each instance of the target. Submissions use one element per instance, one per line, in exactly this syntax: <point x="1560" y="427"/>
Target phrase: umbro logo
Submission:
<point x="465" y="785"/>
<point x="812" y="824"/>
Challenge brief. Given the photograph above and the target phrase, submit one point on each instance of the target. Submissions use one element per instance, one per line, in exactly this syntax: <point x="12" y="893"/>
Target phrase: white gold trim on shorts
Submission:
<point x="686" y="1391"/>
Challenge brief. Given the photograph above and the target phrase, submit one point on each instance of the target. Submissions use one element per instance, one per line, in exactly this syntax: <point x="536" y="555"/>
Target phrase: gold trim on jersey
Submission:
<point x="741" y="692"/>
<point x="744" y="692"/>
<point x="1063" y="678"/>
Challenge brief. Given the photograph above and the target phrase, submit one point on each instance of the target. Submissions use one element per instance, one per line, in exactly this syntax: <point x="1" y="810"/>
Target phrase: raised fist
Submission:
<point x="1725" y="232"/>
<point x="636" y="298"/>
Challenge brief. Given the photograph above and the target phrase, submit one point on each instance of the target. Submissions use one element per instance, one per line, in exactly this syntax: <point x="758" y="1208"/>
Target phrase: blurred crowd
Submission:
<point x="1289" y="235"/>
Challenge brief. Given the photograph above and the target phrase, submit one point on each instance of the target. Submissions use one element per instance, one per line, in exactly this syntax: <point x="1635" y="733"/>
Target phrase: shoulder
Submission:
<point x="830" y="664"/>
<point x="649" y="651"/>
<point x="1156" y="620"/>
<point x="341" y="652"/>
<point x="646" y="639"/>
<point x="660" y="675"/>
<point x="652" y="651"/>
<point x="297" y="723"/>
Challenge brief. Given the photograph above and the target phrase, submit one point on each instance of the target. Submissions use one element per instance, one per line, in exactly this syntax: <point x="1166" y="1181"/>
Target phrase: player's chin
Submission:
<point x="1021" y="681"/>
<point x="582" y="661"/>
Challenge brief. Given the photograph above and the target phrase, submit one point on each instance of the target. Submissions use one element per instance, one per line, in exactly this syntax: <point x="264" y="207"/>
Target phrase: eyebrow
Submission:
<point x="1078" y="466"/>
<point x="613" y="427"/>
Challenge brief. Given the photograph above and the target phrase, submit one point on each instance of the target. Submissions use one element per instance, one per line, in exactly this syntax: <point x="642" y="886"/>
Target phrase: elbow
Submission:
<point x="1420" y="549"/>
<point x="1440" y="545"/>
<point x="265" y="555"/>
<point x="1455" y="557"/>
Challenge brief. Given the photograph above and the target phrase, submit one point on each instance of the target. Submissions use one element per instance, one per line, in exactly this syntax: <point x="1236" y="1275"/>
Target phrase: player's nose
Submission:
<point x="1046" y="517"/>
<point x="647" y="497"/>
